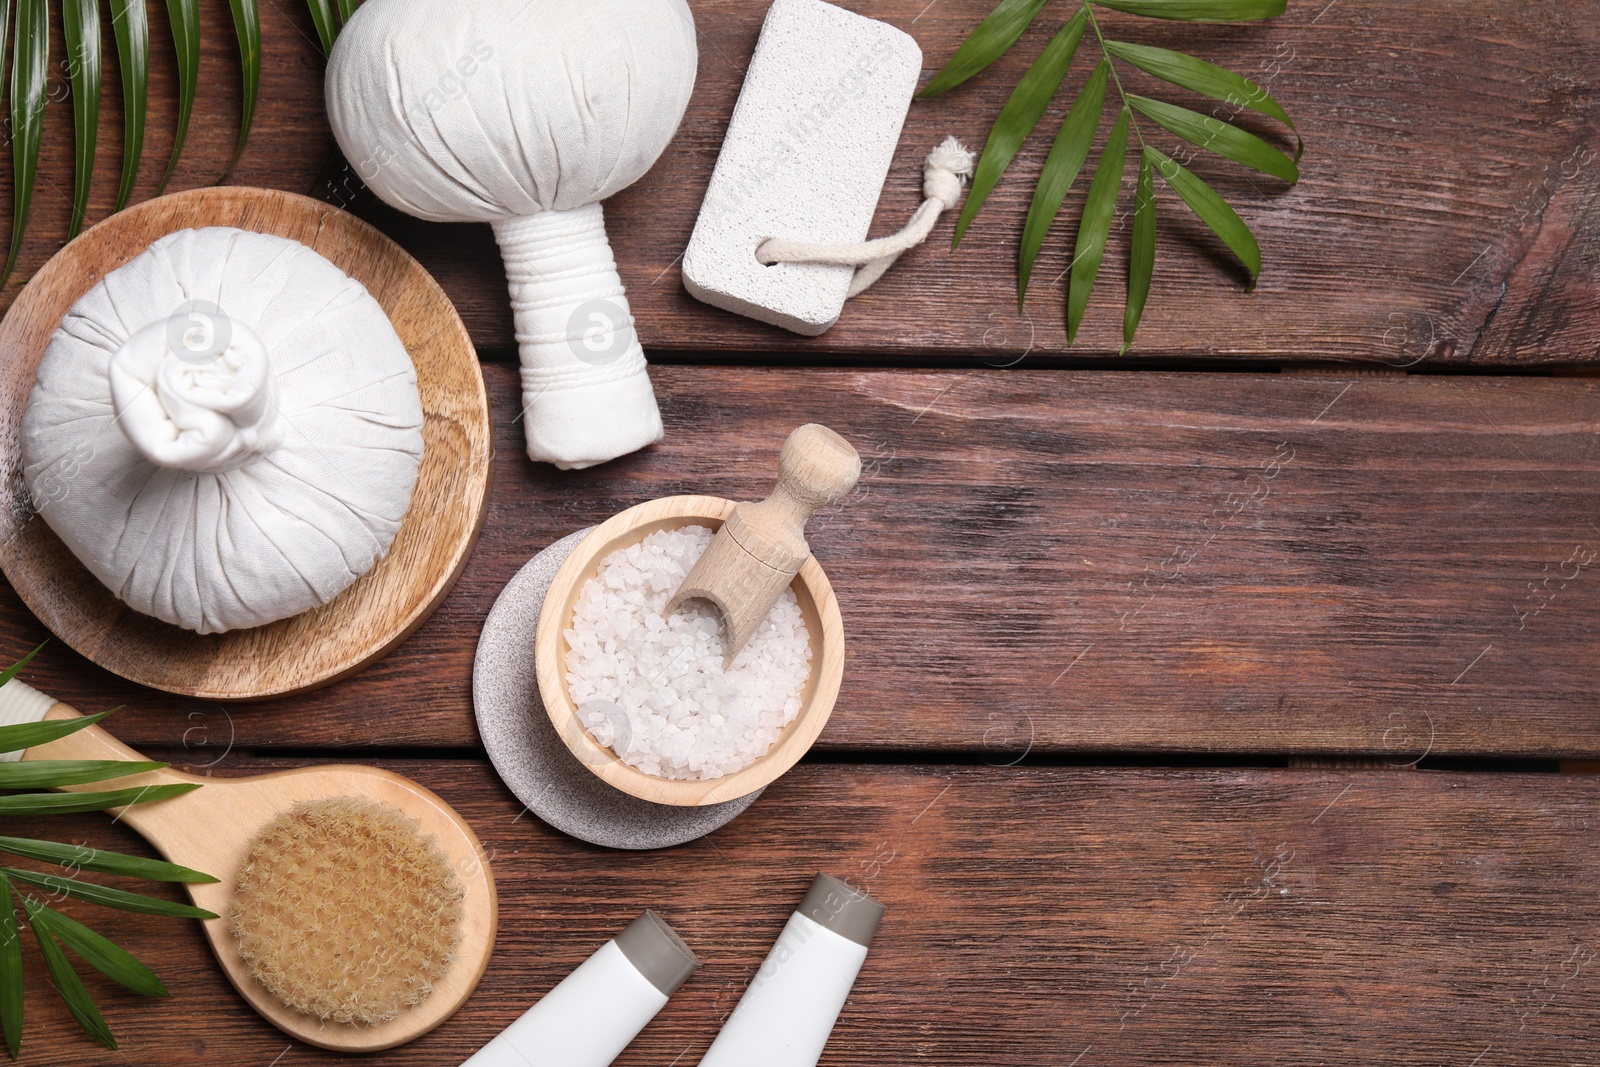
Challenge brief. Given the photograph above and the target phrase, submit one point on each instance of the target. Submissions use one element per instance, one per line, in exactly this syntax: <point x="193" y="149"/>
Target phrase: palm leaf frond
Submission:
<point x="80" y="26"/>
<point x="1042" y="82"/>
<point x="131" y="26"/>
<point x="992" y="39"/>
<point x="65" y="979"/>
<point x="184" y="15"/>
<point x="1021" y="113"/>
<point x="247" y="27"/>
<point x="30" y="67"/>
<point x="322" y="17"/>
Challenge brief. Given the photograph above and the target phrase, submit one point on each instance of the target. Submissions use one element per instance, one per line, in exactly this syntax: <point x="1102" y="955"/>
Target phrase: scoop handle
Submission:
<point x="815" y="468"/>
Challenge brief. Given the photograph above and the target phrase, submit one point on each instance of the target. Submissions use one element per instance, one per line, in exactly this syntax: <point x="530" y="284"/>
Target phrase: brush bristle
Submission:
<point x="345" y="911"/>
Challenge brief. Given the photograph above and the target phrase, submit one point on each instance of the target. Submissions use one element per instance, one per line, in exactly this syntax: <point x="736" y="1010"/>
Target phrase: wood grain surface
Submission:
<point x="1035" y="916"/>
<point x="1047" y="561"/>
<point x="1448" y="213"/>
<point x="1348" y="569"/>
<point x="372" y="615"/>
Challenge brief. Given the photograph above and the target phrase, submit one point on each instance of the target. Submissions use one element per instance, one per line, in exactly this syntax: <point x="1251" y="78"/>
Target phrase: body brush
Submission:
<point x="356" y="909"/>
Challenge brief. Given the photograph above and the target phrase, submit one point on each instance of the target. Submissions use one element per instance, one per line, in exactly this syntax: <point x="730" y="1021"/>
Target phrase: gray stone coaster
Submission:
<point x="531" y="757"/>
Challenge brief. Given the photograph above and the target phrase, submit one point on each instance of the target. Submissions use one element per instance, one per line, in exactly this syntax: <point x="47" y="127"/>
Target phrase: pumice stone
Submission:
<point x="226" y="430"/>
<point x="807" y="152"/>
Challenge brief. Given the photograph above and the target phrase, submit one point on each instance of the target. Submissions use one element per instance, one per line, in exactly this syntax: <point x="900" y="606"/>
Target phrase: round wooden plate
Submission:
<point x="368" y="619"/>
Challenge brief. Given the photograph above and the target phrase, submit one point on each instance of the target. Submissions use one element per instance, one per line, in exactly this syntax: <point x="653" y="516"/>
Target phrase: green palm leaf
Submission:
<point x="1021" y="113"/>
<point x="83" y="858"/>
<point x="1201" y="77"/>
<point x="114" y="962"/>
<point x="51" y="774"/>
<point x="66" y="980"/>
<point x="1217" y="136"/>
<point x="130" y="23"/>
<point x="5" y="27"/>
<point x="29" y="69"/>
<point x="106" y="896"/>
<point x="992" y="38"/>
<point x="346" y="9"/>
<point x="247" y="27"/>
<point x="1141" y="251"/>
<point x="13" y="670"/>
<point x="1061" y="169"/>
<point x="80" y="26"/>
<point x="1095" y="227"/>
<point x="322" y="15"/>
<point x="52" y="929"/>
<point x="10" y="970"/>
<point x="1200" y="10"/>
<point x="1213" y="211"/>
<point x="185" y="18"/>
<point x="26" y="735"/>
<point x="71" y="803"/>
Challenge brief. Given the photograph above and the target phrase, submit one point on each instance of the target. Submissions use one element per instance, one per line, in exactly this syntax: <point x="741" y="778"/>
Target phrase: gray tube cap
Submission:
<point x="657" y="952"/>
<point x="834" y="906"/>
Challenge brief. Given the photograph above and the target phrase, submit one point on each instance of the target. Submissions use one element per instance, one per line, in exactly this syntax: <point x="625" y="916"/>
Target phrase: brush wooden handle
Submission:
<point x="161" y="822"/>
<point x="90" y="743"/>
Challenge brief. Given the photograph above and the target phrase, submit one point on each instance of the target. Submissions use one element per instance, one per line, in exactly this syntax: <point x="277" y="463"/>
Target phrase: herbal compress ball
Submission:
<point x="225" y="430"/>
<point x="527" y="115"/>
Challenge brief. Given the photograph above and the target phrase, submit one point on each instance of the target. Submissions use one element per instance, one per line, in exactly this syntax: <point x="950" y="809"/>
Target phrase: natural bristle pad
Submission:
<point x="345" y="911"/>
<point x="805" y="158"/>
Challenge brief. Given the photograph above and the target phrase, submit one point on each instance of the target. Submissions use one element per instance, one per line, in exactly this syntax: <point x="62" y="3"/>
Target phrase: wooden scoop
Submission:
<point x="212" y="829"/>
<point x="762" y="546"/>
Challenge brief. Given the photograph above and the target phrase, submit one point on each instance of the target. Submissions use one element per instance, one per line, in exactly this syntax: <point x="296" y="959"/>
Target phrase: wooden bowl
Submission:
<point x="373" y="615"/>
<point x="817" y="605"/>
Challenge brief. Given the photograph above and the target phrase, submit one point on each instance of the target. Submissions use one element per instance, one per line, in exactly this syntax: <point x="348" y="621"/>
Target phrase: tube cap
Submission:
<point x="833" y="905"/>
<point x="657" y="952"/>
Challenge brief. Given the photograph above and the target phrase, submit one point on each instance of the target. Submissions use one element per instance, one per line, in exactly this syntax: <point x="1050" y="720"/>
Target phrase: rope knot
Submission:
<point x="945" y="172"/>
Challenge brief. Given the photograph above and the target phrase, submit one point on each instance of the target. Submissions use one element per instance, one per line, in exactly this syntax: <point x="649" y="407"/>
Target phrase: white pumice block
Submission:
<point x="805" y="157"/>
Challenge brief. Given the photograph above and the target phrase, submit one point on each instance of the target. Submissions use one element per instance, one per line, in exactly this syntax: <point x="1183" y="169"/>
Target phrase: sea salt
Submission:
<point x="653" y="687"/>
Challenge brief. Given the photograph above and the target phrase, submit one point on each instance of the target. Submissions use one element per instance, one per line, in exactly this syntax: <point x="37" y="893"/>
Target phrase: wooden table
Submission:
<point x="1204" y="705"/>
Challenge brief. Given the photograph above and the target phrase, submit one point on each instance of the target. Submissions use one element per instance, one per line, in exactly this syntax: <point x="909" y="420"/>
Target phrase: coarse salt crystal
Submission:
<point x="684" y="716"/>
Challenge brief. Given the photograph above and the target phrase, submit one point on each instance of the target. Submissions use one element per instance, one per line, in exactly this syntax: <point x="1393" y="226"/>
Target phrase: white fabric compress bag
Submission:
<point x="526" y="115"/>
<point x="226" y="430"/>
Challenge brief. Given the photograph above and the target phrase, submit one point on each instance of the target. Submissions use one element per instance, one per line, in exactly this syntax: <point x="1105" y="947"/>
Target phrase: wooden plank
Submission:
<point x="1049" y="562"/>
<point x="1035" y="917"/>
<point x="1449" y="211"/>
<point x="1446" y="211"/>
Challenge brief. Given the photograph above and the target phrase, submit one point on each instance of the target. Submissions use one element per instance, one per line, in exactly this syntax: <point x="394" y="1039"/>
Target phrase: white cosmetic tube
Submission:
<point x="786" y="1015"/>
<point x="594" y="1013"/>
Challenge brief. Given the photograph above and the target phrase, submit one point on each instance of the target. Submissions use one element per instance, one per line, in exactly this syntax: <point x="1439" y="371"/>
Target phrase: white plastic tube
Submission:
<point x="787" y="1014"/>
<point x="594" y="1013"/>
